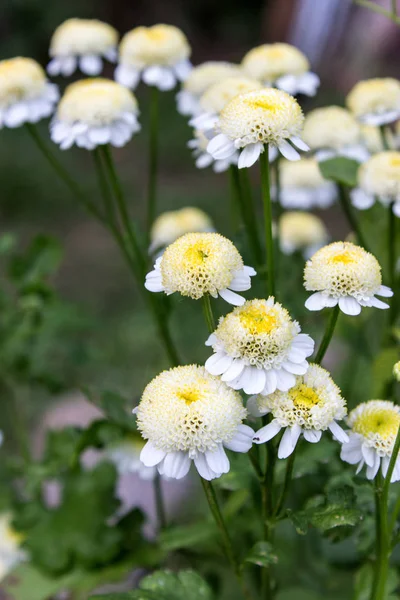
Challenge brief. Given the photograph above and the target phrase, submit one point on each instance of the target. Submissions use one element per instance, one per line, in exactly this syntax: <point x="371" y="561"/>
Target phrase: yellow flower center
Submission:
<point x="303" y="396"/>
<point x="383" y="422"/>
<point x="344" y="257"/>
<point x="395" y="161"/>
<point x="189" y="395"/>
<point x="258" y="319"/>
<point x="196" y="255"/>
<point x="264" y="104"/>
<point x="156" y="34"/>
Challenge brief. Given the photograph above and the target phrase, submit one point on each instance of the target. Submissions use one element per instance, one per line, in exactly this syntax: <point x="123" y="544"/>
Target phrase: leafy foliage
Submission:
<point x="340" y="170"/>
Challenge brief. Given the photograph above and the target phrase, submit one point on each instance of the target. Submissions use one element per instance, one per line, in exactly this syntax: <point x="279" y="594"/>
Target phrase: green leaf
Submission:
<point x="41" y="259"/>
<point x="299" y="520"/>
<point x="187" y="536"/>
<point x="340" y="170"/>
<point x="364" y="579"/>
<point x="262" y="555"/>
<point x="115" y="407"/>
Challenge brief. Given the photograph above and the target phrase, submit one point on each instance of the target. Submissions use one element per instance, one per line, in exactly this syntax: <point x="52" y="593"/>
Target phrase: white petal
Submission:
<point x="351" y="450"/>
<point x="176" y="464"/>
<point x="53" y="67"/>
<point x="267" y="433"/>
<point x="182" y="69"/>
<point x="231" y="297"/>
<point x="285" y="380"/>
<point x="221" y="147"/>
<point x="91" y="64"/>
<point x="270" y="382"/>
<point x="372" y="471"/>
<point x="150" y="455"/>
<point x="153" y="281"/>
<point x="396" y="472"/>
<point x="378" y="303"/>
<point x="242" y="441"/>
<point x="252" y="407"/>
<point x="249" y="155"/>
<point x="384" y="291"/>
<point x="396" y="208"/>
<point x="249" y="271"/>
<point x="217" y="367"/>
<point x="385" y="465"/>
<point x="240" y="283"/>
<point x="288" y="151"/>
<point x="368" y="455"/>
<point x="288" y="442"/>
<point x="316" y="301"/>
<point x="234" y="370"/>
<point x="99" y="135"/>
<point x="256" y="383"/>
<point x="161" y="77"/>
<point x="303" y="341"/>
<point x="295" y="368"/>
<point x="204" y="160"/>
<point x="312" y="435"/>
<point x="217" y="460"/>
<point x="16" y="115"/>
<point x="68" y="65"/>
<point x="211" y="340"/>
<point x="127" y="76"/>
<point x="361" y="200"/>
<point x="298" y="142"/>
<point x="349" y="305"/>
<point x="338" y="432"/>
<point x="297" y="354"/>
<point x="203" y="468"/>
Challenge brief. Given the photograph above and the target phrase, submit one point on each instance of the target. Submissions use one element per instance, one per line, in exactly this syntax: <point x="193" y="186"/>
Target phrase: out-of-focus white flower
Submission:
<point x="25" y="94"/>
<point x="158" y="54"/>
<point x="93" y="112"/>
<point x="375" y="101"/>
<point x="11" y="553"/>
<point x="312" y="406"/>
<point x="303" y="187"/>
<point x="374" y="426"/>
<point x="379" y="177"/>
<point x="201" y="263"/>
<point x="187" y="414"/>
<point x="258" y="348"/>
<point x="301" y="231"/>
<point x="333" y="131"/>
<point x="372" y="138"/>
<point x="251" y="120"/>
<point x="125" y="455"/>
<point x="84" y="43"/>
<point x="345" y="274"/>
<point x="204" y="159"/>
<point x="199" y="80"/>
<point x="282" y="66"/>
<point x="171" y="225"/>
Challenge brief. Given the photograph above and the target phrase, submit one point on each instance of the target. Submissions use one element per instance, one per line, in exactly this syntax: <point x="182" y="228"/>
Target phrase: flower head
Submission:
<point x="25" y="94"/>
<point x="379" y="177"/>
<point x="172" y="224"/>
<point x="345" y="274"/>
<point x="201" y="263"/>
<point x="259" y="348"/>
<point x="372" y="138"/>
<point x="396" y="371"/>
<point x="312" y="406"/>
<point x="281" y="65"/>
<point x="301" y="231"/>
<point x="83" y="42"/>
<point x="374" y="426"/>
<point x="10" y="546"/>
<point x="159" y="54"/>
<point x="303" y="187"/>
<point x="249" y="121"/>
<point x="187" y="414"/>
<point x="203" y="159"/>
<point x="94" y="112"/>
<point x="375" y="101"/>
<point x="125" y="455"/>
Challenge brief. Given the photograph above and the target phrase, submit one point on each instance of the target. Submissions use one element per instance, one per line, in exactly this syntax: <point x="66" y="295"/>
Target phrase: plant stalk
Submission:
<point x="330" y="328"/>
<point x="153" y="159"/>
<point x="269" y="242"/>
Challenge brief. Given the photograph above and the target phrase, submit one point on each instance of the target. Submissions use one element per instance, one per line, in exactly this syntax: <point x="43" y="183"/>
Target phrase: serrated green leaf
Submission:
<point x="262" y="554"/>
<point x="340" y="170"/>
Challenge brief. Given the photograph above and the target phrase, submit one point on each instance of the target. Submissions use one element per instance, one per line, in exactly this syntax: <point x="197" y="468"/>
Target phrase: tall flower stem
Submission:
<point x="208" y="313"/>
<point x="350" y="215"/>
<point x="159" y="501"/>
<point x="269" y="242"/>
<point x="286" y="483"/>
<point x="153" y="159"/>
<point x="392" y="259"/>
<point x="330" y="328"/>
<point x="267" y="485"/>
<point x="242" y="184"/>
<point x="382" y="131"/>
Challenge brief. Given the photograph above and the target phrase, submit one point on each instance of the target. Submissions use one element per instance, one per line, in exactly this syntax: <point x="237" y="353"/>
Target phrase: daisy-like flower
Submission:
<point x="379" y="177"/>
<point x="158" y="54"/>
<point x="375" y="101"/>
<point x="203" y="159"/>
<point x="372" y="138"/>
<point x="374" y="426"/>
<point x="396" y="371"/>
<point x="172" y="224"/>
<point x="259" y="348"/>
<point x="333" y="131"/>
<point x="301" y="232"/>
<point x="303" y="187"/>
<point x="312" y="406"/>
<point x="10" y="546"/>
<point x="249" y="121"/>
<point x="345" y="274"/>
<point x="188" y="415"/>
<point x="201" y="263"/>
<point x="82" y="43"/>
<point x="94" y="112"/>
<point x="125" y="455"/>
<point x="25" y="94"/>
<point x="199" y="80"/>
<point x="282" y="66"/>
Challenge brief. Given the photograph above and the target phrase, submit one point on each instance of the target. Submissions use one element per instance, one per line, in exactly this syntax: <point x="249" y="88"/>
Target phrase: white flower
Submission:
<point x="374" y="425"/>
<point x="378" y="177"/>
<point x="303" y="187"/>
<point x="251" y="120"/>
<point x="201" y="263"/>
<point x="375" y="101"/>
<point x="258" y="348"/>
<point x="83" y="43"/>
<point x="312" y="406"/>
<point x="25" y="94"/>
<point x="158" y="54"/>
<point x="186" y="414"/>
<point x="333" y="131"/>
<point x="171" y="225"/>
<point x="93" y="112"/>
<point x="125" y="455"/>
<point x="372" y="138"/>
<point x="199" y="80"/>
<point x="282" y="66"/>
<point x="301" y="231"/>
<point x="203" y="159"/>
<point x="10" y="546"/>
<point x="345" y="274"/>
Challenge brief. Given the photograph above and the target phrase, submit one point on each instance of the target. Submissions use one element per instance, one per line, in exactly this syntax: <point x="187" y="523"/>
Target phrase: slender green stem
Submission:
<point x="382" y="131"/>
<point x="350" y="215"/>
<point x="267" y="485"/>
<point x="255" y="464"/>
<point x="269" y="243"/>
<point x="286" y="483"/>
<point x="392" y="464"/>
<point x="378" y="591"/>
<point x="379" y="9"/>
<point x="159" y="501"/>
<point x="104" y="187"/>
<point x="392" y="260"/>
<point x="330" y="328"/>
<point x="394" y="515"/>
<point x="153" y="159"/>
<point x="208" y="313"/>
<point x="16" y="414"/>
<point x="226" y="540"/>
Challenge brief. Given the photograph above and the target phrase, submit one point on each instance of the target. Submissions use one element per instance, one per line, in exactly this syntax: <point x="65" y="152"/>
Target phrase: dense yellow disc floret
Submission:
<point x="330" y="127"/>
<point x="82" y="36"/>
<point x="267" y="116"/>
<point x="313" y="403"/>
<point x="270" y="61"/>
<point x="260" y="332"/>
<point x="203" y="76"/>
<point x="343" y="269"/>
<point x="378" y="422"/>
<point x="199" y="263"/>
<point x="301" y="229"/>
<point x="219" y="94"/>
<point x="374" y="96"/>
<point x="302" y="173"/>
<point x="188" y="409"/>
<point x="380" y="175"/>
<point x="157" y="45"/>
<point x="20" y="79"/>
<point x="96" y="102"/>
<point x="173" y="224"/>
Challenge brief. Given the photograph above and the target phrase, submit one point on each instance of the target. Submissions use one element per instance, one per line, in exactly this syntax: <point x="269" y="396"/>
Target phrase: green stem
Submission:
<point x="267" y="511"/>
<point x="286" y="483"/>
<point x="385" y="144"/>
<point x="208" y="313"/>
<point x="378" y="591"/>
<point x="160" y="509"/>
<point x="269" y="243"/>
<point x="330" y="328"/>
<point x="19" y="424"/>
<point x="153" y="159"/>
<point x="392" y="260"/>
<point x="350" y="215"/>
